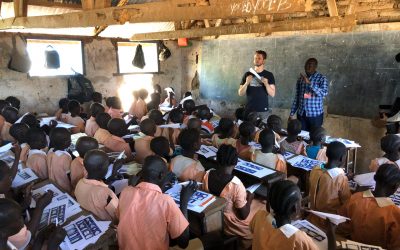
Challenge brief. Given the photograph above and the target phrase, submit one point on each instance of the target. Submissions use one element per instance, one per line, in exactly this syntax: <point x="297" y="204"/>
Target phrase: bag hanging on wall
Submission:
<point x="165" y="53"/>
<point x="19" y="60"/>
<point x="138" y="60"/>
<point x="52" y="58"/>
<point x="80" y="88"/>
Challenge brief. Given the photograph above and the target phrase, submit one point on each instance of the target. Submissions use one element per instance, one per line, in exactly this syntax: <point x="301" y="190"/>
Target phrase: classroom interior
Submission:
<point x="211" y="44"/>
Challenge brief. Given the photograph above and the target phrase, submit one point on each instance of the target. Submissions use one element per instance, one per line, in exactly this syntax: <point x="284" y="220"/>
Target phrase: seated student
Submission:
<point x="239" y="115"/>
<point x="58" y="158"/>
<point x="14" y="234"/>
<point x="14" y="102"/>
<point x="148" y="219"/>
<point x="73" y="117"/>
<point x="91" y="192"/>
<point x="97" y="97"/>
<point x="7" y="174"/>
<point x="160" y="146"/>
<point x="10" y="115"/>
<point x="142" y="144"/>
<point x="3" y="104"/>
<point x="266" y="155"/>
<point x="204" y="114"/>
<point x="158" y="118"/>
<point x="189" y="107"/>
<point x="63" y="109"/>
<point x="37" y="157"/>
<point x="31" y="121"/>
<point x="274" y="230"/>
<point x="316" y="150"/>
<point x="291" y="143"/>
<point x="114" y="107"/>
<point x="170" y="101"/>
<point x="274" y="122"/>
<point x="224" y="133"/>
<point x="195" y="123"/>
<point x="390" y="144"/>
<point x="174" y="117"/>
<point x="139" y="106"/>
<point x="240" y="207"/>
<point x="117" y="127"/>
<point x="247" y="131"/>
<point x="19" y="132"/>
<point x="91" y="125"/>
<point x="102" y="134"/>
<point x="155" y="101"/>
<point x="185" y="166"/>
<point x="374" y="218"/>
<point x="329" y="187"/>
<point x="83" y="145"/>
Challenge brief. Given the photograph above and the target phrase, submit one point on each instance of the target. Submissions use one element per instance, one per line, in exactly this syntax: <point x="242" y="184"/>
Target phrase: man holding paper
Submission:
<point x="257" y="84"/>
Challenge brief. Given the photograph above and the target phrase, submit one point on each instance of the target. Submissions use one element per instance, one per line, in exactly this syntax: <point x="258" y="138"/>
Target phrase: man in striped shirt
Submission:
<point x="311" y="90"/>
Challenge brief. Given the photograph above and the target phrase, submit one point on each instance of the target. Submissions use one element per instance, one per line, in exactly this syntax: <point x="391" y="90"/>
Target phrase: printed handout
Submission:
<point x="253" y="169"/>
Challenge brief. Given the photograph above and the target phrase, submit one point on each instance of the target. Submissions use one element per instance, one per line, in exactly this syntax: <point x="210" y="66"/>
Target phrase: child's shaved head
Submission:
<point x="96" y="108"/>
<point x="102" y="120"/>
<point x="154" y="169"/>
<point x="85" y="144"/>
<point x="11" y="221"/>
<point x="117" y="127"/>
<point x="148" y="127"/>
<point x="10" y="114"/>
<point x="194" y="123"/>
<point x="96" y="164"/>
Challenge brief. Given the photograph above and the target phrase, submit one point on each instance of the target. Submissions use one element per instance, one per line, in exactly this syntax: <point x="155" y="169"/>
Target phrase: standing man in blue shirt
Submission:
<point x="311" y="90"/>
<point x="258" y="90"/>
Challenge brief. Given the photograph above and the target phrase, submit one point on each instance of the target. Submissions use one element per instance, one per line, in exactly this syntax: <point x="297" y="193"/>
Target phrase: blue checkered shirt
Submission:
<point x="314" y="106"/>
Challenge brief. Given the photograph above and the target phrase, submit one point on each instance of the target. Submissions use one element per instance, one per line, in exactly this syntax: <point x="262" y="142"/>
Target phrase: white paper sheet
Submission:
<point x="23" y="177"/>
<point x="22" y="117"/>
<point x="348" y="244"/>
<point x="305" y="135"/>
<point x="253" y="169"/>
<point x="334" y="218"/>
<point x="316" y="234"/>
<point x="55" y="213"/>
<point x="134" y="127"/>
<point x="172" y="125"/>
<point x="5" y="148"/>
<point x="207" y="151"/>
<point x="346" y="142"/>
<point x="366" y="180"/>
<point x="255" y="73"/>
<point x="119" y="185"/>
<point x="253" y="187"/>
<point x="303" y="162"/>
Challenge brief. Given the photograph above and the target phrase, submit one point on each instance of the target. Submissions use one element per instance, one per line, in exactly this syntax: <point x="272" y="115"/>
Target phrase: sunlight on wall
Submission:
<point x="131" y="83"/>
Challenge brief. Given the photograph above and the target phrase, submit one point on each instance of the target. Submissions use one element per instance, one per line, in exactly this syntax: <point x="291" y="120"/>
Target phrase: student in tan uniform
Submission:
<point x="91" y="126"/>
<point x="142" y="145"/>
<point x="73" y="117"/>
<point x="19" y="131"/>
<point x="91" y="192"/>
<point x="274" y="230"/>
<point x="102" y="134"/>
<point x="329" y="187"/>
<point x="83" y="145"/>
<point x="58" y="158"/>
<point x="37" y="155"/>
<point x="316" y="150"/>
<point x="240" y="207"/>
<point x="10" y="115"/>
<point x="266" y="156"/>
<point x="374" y="218"/>
<point x="390" y="144"/>
<point x="224" y="135"/>
<point x="114" y="107"/>
<point x="160" y="146"/>
<point x="158" y="118"/>
<point x="186" y="166"/>
<point x="116" y="143"/>
<point x="139" y="106"/>
<point x="148" y="219"/>
<point x="246" y="134"/>
<point x="175" y="117"/>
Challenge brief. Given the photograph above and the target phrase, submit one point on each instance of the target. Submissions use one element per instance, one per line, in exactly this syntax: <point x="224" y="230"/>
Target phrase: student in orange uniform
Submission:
<point x="91" y="125"/>
<point x="317" y="150"/>
<point x="291" y="143"/>
<point x="139" y="108"/>
<point x="83" y="145"/>
<point x="174" y="117"/>
<point x="247" y="131"/>
<point x="102" y="134"/>
<point x="116" y="143"/>
<point x="160" y="146"/>
<point x="390" y="144"/>
<point x="63" y="109"/>
<point x="73" y="117"/>
<point x="189" y="107"/>
<point x="186" y="166"/>
<point x="224" y="133"/>
<point x="37" y="157"/>
<point x="114" y="107"/>
<point x="148" y="219"/>
<point x="266" y="155"/>
<point x="10" y="115"/>
<point x="204" y="114"/>
<point x="142" y="144"/>
<point x="240" y="207"/>
<point x="274" y="230"/>
<point x="374" y="218"/>
<point x="19" y="131"/>
<point x="158" y="118"/>
<point x="58" y="158"/>
<point x="329" y="187"/>
<point x="91" y="192"/>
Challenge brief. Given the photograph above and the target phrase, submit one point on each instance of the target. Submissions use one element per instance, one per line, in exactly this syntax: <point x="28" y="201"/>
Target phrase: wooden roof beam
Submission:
<point x="287" y="25"/>
<point x="332" y="8"/>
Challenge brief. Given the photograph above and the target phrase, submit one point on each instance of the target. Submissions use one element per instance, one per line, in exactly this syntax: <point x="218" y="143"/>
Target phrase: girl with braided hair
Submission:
<point x="390" y="144"/>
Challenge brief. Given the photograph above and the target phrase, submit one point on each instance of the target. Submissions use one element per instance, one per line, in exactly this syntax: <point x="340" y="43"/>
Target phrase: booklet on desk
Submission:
<point x="365" y="180"/>
<point x="207" y="151"/>
<point x="253" y="169"/>
<point x="24" y="176"/>
<point x="334" y="218"/>
<point x="303" y="162"/>
<point x="316" y="234"/>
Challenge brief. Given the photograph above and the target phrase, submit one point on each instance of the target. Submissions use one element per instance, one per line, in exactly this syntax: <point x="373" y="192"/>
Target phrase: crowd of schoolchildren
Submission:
<point x="146" y="218"/>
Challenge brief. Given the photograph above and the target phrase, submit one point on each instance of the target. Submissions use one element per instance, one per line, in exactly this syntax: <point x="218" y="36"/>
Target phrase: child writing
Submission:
<point x="185" y="166"/>
<point x="10" y="115"/>
<point x="116" y="143"/>
<point x="63" y="109"/>
<point x="266" y="155"/>
<point x="19" y="131"/>
<point x="91" y="125"/>
<point x="37" y="157"/>
<point x="91" y="192"/>
<point x="390" y="144"/>
<point x="142" y="145"/>
<point x="58" y="158"/>
<point x="317" y="150"/>
<point x="73" y="117"/>
<point x="83" y="145"/>
<point x="224" y="135"/>
<point x="247" y="131"/>
<point x="374" y="218"/>
<point x="102" y="134"/>
<point x="291" y="143"/>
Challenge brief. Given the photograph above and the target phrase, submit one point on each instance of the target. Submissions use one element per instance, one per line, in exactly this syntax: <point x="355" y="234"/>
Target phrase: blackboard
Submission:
<point x="360" y="67"/>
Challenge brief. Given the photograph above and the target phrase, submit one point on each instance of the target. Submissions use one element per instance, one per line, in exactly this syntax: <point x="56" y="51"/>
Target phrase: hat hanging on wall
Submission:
<point x="52" y="58"/>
